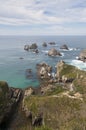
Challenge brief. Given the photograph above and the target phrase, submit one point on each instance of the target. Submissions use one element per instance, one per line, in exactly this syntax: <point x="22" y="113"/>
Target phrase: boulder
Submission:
<point x="64" y="47"/>
<point x="44" y="44"/>
<point x="54" y="52"/>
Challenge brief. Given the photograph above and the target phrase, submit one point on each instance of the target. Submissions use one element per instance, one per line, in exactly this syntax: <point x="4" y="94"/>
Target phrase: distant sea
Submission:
<point x="13" y="68"/>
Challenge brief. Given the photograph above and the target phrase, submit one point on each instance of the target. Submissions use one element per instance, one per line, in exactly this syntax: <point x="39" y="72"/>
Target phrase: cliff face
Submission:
<point x="9" y="98"/>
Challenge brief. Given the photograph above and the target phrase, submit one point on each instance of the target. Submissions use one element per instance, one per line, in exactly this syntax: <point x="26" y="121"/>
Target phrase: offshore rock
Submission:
<point x="64" y="47"/>
<point x="52" y="43"/>
<point x="54" y="52"/>
<point x="26" y="47"/>
<point x="30" y="47"/>
<point x="34" y="46"/>
<point x="44" y="44"/>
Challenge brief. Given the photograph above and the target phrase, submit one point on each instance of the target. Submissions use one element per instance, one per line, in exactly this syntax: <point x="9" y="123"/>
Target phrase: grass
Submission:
<point x="59" y="112"/>
<point x="57" y="90"/>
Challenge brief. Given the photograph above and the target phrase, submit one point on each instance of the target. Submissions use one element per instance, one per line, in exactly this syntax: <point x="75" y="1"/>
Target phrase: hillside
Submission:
<point x="63" y="108"/>
<point x="59" y="105"/>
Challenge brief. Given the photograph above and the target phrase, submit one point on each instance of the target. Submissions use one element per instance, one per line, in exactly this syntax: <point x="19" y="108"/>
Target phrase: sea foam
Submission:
<point x="80" y="64"/>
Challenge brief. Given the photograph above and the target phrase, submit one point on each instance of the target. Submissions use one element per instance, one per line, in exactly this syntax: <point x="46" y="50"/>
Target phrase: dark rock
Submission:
<point x="28" y="73"/>
<point x="52" y="43"/>
<point x="34" y="46"/>
<point x="26" y="47"/>
<point x="38" y="121"/>
<point x="9" y="98"/>
<point x="36" y="51"/>
<point x="21" y="58"/>
<point x="54" y="52"/>
<point x="44" y="44"/>
<point x="64" y="47"/>
<point x="29" y="115"/>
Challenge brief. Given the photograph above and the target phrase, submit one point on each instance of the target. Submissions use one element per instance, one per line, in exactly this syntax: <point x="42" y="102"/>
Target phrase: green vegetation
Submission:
<point x="57" y="90"/>
<point x="67" y="70"/>
<point x="43" y="128"/>
<point x="62" y="112"/>
<point x="59" y="112"/>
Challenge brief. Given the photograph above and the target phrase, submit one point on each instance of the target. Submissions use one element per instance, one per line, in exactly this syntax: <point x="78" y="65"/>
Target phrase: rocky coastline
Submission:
<point x="60" y="94"/>
<point x="66" y="82"/>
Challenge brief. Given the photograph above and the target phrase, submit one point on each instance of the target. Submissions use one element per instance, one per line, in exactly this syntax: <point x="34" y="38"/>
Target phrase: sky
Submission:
<point x="42" y="17"/>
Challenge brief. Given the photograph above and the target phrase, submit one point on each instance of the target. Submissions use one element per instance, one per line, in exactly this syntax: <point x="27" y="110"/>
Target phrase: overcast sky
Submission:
<point x="42" y="17"/>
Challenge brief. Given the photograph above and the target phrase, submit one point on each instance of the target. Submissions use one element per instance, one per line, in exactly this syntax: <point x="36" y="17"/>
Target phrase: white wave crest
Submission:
<point x="79" y="64"/>
<point x="45" y="51"/>
<point x="62" y="54"/>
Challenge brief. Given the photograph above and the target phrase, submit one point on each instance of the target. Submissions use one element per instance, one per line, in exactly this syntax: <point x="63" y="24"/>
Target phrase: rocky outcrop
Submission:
<point x="63" y="74"/>
<point x="44" y="44"/>
<point x="28" y="92"/>
<point x="64" y="47"/>
<point x="26" y="47"/>
<point x="54" y="52"/>
<point x="34" y="46"/>
<point x="44" y="71"/>
<point x="30" y="47"/>
<point x="52" y="43"/>
<point x="38" y="120"/>
<point x="47" y="88"/>
<point x="36" y="51"/>
<point x="82" y="56"/>
<point x="9" y="97"/>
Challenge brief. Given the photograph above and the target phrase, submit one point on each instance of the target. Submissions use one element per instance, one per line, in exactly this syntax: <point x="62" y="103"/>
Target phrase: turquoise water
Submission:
<point x="13" y="69"/>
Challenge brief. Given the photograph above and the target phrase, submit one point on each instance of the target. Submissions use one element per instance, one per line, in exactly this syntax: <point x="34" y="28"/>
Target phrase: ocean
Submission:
<point x="13" y="68"/>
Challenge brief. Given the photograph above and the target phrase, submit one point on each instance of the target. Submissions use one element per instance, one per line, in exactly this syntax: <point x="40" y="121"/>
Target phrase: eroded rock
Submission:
<point x="64" y="47"/>
<point x="54" y="52"/>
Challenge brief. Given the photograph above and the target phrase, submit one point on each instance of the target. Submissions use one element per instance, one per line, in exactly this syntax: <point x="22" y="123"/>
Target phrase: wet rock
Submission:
<point x="44" y="44"/>
<point x="28" y="73"/>
<point x="64" y="47"/>
<point x="52" y="43"/>
<point x="21" y="58"/>
<point x="26" y="47"/>
<point x="36" y="51"/>
<point x="54" y="52"/>
<point x="34" y="46"/>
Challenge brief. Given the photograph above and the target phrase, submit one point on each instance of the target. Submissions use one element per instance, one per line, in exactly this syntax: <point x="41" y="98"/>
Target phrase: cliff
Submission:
<point x="9" y="98"/>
